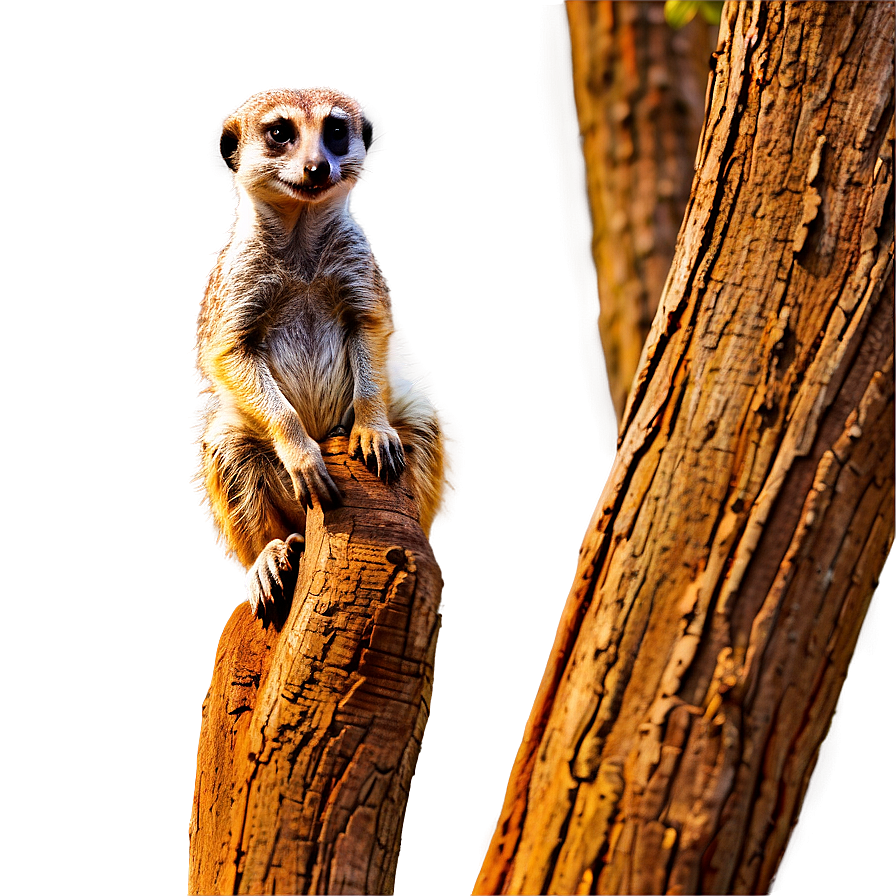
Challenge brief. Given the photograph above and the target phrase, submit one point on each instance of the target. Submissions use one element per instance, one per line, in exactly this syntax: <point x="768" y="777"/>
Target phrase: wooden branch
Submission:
<point x="728" y="566"/>
<point x="310" y="735"/>
<point x="640" y="89"/>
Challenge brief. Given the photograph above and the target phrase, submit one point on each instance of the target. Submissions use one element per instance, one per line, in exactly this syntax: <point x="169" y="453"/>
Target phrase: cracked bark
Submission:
<point x="640" y="89"/>
<point x="310" y="735"/>
<point x="731" y="558"/>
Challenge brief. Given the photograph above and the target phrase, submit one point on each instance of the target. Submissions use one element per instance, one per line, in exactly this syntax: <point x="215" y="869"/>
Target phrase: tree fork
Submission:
<point x="310" y="735"/>
<point x="724" y="577"/>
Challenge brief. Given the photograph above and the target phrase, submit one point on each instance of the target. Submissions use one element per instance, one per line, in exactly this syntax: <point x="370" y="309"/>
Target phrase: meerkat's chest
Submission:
<point x="308" y="355"/>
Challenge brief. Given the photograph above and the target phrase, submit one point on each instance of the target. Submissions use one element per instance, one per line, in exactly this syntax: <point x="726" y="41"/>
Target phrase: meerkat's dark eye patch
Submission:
<point x="336" y="135"/>
<point x="280" y="133"/>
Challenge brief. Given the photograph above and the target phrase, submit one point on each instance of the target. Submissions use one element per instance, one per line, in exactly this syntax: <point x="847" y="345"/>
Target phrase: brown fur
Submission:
<point x="294" y="338"/>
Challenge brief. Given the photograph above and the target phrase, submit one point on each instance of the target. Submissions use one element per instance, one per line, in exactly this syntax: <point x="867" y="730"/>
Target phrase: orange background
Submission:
<point x="114" y="591"/>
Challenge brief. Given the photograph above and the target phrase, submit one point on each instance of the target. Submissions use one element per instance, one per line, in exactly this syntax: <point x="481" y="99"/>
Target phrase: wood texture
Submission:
<point x="729" y="563"/>
<point x="310" y="735"/>
<point x="640" y="89"/>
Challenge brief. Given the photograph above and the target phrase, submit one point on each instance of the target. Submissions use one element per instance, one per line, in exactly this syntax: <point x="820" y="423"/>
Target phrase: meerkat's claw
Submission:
<point x="391" y="460"/>
<point x="272" y="578"/>
<point x="380" y="450"/>
<point x="312" y="483"/>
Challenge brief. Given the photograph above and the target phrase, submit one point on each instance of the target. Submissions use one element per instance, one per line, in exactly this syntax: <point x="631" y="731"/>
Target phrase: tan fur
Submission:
<point x="294" y="339"/>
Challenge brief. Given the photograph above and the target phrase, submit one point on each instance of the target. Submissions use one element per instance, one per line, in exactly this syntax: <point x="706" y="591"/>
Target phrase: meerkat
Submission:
<point x="293" y="340"/>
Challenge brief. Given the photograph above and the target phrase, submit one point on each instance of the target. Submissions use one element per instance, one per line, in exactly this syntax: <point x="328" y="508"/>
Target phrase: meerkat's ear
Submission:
<point x="230" y="142"/>
<point x="366" y="131"/>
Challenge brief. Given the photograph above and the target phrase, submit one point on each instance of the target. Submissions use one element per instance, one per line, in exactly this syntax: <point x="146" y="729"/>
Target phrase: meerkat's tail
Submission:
<point x="416" y="422"/>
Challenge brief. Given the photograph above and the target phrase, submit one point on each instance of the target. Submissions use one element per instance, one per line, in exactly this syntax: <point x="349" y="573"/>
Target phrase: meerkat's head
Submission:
<point x="293" y="147"/>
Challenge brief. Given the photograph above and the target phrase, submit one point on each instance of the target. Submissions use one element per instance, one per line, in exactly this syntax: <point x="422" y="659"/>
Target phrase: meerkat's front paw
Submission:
<point x="310" y="480"/>
<point x="272" y="578"/>
<point x="380" y="449"/>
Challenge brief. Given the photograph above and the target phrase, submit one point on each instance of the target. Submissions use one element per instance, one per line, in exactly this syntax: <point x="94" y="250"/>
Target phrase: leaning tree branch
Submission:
<point x="640" y="89"/>
<point x="310" y="735"/>
<point x="727" y="568"/>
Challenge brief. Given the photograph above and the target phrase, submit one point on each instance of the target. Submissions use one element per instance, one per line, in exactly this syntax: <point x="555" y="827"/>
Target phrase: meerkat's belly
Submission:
<point x="309" y="359"/>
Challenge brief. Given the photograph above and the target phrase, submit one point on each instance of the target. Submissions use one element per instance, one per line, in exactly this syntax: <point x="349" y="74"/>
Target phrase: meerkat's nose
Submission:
<point x="317" y="172"/>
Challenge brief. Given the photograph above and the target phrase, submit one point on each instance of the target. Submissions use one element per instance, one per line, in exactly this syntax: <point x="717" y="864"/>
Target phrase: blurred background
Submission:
<point x="116" y="204"/>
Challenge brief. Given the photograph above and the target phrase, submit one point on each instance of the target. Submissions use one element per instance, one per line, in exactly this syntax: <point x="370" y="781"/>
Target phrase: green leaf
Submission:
<point x="711" y="10"/>
<point x="680" y="12"/>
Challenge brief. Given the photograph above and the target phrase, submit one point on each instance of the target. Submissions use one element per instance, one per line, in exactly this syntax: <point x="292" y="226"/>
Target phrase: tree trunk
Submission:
<point x="640" y="90"/>
<point x="310" y="735"/>
<point x="728" y="566"/>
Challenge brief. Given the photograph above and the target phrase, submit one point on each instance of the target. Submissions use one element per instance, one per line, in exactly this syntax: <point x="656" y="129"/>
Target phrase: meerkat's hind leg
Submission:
<point x="250" y="499"/>
<point x="272" y="578"/>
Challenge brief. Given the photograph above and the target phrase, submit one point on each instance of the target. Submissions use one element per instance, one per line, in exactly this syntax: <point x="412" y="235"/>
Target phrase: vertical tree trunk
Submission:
<point x="640" y="90"/>
<point x="310" y="736"/>
<point x="728" y="566"/>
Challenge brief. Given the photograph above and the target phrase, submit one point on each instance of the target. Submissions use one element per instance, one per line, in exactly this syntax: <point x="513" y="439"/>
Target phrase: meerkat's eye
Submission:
<point x="281" y="133"/>
<point x="336" y="135"/>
